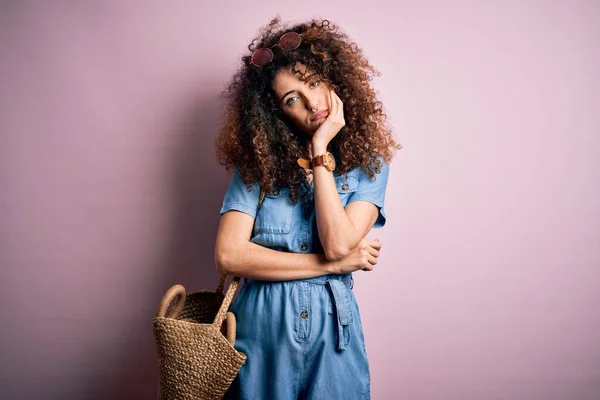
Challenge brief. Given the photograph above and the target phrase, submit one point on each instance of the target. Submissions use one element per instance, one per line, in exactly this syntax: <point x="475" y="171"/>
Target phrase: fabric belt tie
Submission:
<point x="342" y="310"/>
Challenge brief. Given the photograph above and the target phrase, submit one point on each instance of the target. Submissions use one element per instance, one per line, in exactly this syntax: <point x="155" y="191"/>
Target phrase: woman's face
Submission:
<point x="298" y="98"/>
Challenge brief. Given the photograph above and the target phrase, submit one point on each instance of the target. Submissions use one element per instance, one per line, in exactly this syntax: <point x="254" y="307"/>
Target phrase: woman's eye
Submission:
<point x="315" y="84"/>
<point x="291" y="101"/>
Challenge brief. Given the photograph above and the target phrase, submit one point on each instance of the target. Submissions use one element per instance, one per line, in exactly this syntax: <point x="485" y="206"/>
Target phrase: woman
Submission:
<point x="304" y="129"/>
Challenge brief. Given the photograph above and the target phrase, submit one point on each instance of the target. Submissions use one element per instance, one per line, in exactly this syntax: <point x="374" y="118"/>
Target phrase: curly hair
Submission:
<point x="260" y="141"/>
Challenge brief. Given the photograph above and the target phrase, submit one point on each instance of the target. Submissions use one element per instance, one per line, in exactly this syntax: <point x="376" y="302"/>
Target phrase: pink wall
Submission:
<point x="488" y="283"/>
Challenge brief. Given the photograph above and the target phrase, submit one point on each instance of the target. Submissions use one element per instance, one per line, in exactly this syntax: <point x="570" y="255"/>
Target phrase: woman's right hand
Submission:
<point x="362" y="257"/>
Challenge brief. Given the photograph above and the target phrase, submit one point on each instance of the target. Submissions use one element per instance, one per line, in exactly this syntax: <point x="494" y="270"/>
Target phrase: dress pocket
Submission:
<point x="275" y="213"/>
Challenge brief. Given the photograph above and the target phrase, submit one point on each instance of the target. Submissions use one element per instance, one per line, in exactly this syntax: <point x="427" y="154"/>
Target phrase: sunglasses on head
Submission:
<point x="264" y="55"/>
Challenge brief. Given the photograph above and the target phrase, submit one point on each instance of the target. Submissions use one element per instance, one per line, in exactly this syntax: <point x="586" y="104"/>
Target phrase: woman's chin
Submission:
<point x="309" y="130"/>
<point x="314" y="126"/>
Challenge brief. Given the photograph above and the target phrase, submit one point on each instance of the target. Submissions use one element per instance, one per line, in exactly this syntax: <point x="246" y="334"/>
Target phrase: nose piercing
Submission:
<point x="314" y="109"/>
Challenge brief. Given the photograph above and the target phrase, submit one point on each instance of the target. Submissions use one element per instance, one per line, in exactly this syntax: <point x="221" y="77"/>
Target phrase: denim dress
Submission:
<point x="303" y="338"/>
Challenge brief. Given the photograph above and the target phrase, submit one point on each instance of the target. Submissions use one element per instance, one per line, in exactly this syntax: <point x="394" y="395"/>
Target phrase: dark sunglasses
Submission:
<point x="264" y="55"/>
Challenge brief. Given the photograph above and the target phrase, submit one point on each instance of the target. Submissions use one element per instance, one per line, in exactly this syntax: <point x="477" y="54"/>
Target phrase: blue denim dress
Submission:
<point x="303" y="338"/>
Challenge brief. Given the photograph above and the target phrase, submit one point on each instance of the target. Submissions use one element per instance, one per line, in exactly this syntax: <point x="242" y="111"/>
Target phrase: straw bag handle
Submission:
<point x="175" y="291"/>
<point x="221" y="314"/>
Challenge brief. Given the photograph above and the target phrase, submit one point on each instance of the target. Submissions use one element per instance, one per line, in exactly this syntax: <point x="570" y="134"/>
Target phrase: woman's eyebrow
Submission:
<point x="294" y="90"/>
<point x="291" y="91"/>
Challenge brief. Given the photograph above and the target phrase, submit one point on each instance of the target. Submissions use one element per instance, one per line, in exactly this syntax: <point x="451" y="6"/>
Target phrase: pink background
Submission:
<point x="488" y="283"/>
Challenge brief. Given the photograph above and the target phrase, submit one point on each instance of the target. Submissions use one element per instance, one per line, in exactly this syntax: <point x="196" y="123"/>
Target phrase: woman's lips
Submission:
<point x="319" y="115"/>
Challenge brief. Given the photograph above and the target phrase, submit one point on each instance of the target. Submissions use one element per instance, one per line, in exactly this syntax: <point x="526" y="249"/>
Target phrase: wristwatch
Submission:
<point x="327" y="160"/>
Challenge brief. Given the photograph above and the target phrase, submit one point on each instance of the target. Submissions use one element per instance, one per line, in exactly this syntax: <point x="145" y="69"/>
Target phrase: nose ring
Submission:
<point x="315" y="109"/>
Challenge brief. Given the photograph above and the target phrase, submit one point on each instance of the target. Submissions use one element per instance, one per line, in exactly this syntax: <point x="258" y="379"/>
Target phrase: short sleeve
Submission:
<point x="373" y="191"/>
<point x="237" y="197"/>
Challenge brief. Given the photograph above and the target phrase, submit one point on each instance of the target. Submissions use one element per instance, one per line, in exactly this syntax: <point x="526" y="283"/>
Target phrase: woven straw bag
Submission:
<point x="196" y="361"/>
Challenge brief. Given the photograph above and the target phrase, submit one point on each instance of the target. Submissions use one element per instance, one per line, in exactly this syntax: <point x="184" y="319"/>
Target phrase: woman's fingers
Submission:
<point x="333" y="111"/>
<point x="370" y="265"/>
<point x="373" y="251"/>
<point x="375" y="243"/>
<point x="340" y="105"/>
<point x="338" y="108"/>
<point x="372" y="260"/>
<point x="369" y="253"/>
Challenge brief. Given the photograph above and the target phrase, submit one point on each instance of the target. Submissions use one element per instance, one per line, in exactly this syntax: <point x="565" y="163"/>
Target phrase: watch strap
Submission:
<point x="304" y="163"/>
<point x="319" y="160"/>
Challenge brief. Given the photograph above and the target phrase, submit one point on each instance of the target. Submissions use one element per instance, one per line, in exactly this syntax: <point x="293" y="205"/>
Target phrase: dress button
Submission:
<point x="275" y="192"/>
<point x="304" y="314"/>
<point x="304" y="247"/>
<point x="345" y="186"/>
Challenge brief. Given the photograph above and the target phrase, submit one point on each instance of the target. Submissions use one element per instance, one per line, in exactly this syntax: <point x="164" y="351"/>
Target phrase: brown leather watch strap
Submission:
<point x="304" y="163"/>
<point x="319" y="160"/>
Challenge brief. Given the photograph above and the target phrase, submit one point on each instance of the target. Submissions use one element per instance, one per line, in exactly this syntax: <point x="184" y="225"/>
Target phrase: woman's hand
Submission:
<point x="363" y="256"/>
<point x="331" y="126"/>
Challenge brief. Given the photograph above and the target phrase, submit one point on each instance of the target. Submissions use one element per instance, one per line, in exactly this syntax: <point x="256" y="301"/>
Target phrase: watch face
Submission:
<point x="331" y="161"/>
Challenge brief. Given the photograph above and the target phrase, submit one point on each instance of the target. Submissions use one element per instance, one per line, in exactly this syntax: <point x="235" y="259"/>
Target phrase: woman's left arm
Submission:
<point x="340" y="230"/>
